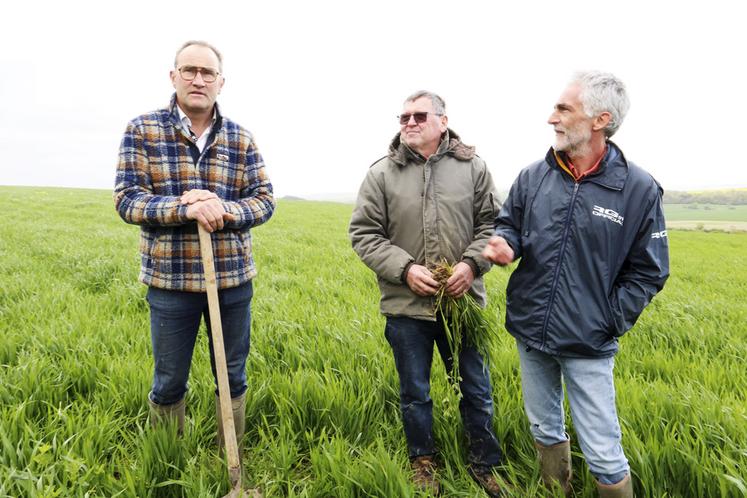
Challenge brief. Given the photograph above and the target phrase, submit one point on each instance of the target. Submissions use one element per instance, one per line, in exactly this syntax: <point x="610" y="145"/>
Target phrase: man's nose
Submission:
<point x="553" y="119"/>
<point x="200" y="82"/>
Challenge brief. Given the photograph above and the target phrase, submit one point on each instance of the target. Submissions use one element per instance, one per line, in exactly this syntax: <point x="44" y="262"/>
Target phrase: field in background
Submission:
<point x="728" y="218"/>
<point x="322" y="415"/>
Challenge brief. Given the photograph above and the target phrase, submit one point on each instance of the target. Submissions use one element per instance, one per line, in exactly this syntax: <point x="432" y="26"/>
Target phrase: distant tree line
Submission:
<point x="726" y="196"/>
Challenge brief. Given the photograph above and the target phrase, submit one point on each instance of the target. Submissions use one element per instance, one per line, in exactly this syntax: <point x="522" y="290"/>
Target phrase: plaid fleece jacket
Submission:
<point x="156" y="167"/>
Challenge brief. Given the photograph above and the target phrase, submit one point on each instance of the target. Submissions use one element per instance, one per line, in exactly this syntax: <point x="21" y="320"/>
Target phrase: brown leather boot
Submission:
<point x="555" y="465"/>
<point x="424" y="477"/>
<point x="238" y="407"/>
<point x="164" y="413"/>
<point x="622" y="489"/>
<point x="486" y="479"/>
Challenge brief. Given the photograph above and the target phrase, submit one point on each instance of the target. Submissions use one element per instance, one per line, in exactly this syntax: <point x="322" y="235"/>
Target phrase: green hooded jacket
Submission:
<point x="415" y="211"/>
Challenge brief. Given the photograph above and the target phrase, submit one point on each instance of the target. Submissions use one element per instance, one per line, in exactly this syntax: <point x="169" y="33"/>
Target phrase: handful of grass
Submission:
<point x="465" y="322"/>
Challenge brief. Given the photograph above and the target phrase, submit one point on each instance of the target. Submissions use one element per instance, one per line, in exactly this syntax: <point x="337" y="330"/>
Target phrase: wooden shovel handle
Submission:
<point x="219" y="351"/>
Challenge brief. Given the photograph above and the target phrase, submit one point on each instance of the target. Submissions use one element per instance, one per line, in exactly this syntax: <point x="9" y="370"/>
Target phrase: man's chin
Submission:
<point x="411" y="143"/>
<point x="197" y="107"/>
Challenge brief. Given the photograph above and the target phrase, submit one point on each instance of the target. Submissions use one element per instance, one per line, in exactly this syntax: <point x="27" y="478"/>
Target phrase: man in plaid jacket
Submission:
<point x="179" y="166"/>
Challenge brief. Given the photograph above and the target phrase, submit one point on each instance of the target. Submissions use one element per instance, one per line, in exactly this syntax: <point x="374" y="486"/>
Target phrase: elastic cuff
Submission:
<point x="181" y="213"/>
<point x="229" y="208"/>
<point x="403" y="277"/>
<point x="473" y="266"/>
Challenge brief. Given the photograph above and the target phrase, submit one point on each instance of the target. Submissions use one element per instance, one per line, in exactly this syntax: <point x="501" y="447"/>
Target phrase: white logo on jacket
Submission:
<point x="659" y="235"/>
<point x="608" y="214"/>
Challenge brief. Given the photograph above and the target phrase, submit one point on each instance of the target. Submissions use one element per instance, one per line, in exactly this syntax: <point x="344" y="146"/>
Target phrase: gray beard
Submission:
<point x="579" y="149"/>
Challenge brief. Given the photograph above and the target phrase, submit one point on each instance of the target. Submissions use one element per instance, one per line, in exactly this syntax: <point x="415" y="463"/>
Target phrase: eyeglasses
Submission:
<point x="189" y="73"/>
<point x="420" y="117"/>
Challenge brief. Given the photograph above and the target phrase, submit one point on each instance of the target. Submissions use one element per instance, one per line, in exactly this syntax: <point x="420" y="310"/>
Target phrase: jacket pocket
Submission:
<point x="151" y="244"/>
<point x="615" y="329"/>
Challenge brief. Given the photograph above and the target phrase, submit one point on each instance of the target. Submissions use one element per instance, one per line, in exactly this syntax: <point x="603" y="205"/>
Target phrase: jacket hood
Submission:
<point x="451" y="144"/>
<point x="613" y="170"/>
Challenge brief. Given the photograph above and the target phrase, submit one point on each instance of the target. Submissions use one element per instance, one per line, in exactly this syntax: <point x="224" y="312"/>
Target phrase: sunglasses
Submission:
<point x="419" y="117"/>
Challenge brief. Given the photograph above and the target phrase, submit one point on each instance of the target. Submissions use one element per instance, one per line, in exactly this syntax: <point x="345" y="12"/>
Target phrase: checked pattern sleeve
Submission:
<point x="134" y="195"/>
<point x="256" y="203"/>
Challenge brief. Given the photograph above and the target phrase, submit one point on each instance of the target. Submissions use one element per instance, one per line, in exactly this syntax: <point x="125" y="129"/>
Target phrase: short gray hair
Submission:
<point x="202" y="44"/>
<point x="439" y="106"/>
<point x="603" y="92"/>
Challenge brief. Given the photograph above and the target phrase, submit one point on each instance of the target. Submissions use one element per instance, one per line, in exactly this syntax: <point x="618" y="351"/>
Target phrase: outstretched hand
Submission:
<point x="498" y="251"/>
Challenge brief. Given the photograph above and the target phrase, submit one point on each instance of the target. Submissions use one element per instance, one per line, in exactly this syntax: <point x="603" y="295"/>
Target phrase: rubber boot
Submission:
<point x="555" y="465"/>
<point x="238" y="406"/>
<point x="622" y="489"/>
<point x="164" y="413"/>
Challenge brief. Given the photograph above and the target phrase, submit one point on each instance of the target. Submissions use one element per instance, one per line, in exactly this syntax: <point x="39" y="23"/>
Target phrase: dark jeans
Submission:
<point x="174" y="322"/>
<point x="412" y="344"/>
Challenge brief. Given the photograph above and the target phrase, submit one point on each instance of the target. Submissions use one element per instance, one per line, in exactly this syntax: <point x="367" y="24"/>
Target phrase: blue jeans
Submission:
<point x="591" y="396"/>
<point x="174" y="322"/>
<point x="412" y="344"/>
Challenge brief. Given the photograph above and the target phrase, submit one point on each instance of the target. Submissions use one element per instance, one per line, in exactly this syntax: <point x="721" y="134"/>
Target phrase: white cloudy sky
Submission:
<point x="320" y="83"/>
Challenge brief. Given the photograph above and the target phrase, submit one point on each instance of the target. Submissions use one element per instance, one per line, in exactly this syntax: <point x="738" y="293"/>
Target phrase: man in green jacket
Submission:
<point x="431" y="198"/>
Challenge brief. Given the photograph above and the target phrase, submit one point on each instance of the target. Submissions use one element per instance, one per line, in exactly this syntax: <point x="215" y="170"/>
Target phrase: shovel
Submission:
<point x="224" y="393"/>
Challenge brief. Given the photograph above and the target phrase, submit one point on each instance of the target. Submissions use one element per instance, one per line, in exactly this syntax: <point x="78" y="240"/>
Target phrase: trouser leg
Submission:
<point x="412" y="345"/>
<point x="476" y="405"/>
<point x="591" y="396"/>
<point x="235" y="308"/>
<point x="542" y="389"/>
<point x="175" y="320"/>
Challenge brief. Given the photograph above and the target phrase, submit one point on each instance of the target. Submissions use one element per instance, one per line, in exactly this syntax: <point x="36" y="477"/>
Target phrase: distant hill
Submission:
<point x="733" y="197"/>
<point x="344" y="197"/>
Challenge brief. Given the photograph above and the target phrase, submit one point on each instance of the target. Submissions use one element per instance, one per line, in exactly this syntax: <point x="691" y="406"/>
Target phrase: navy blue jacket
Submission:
<point x="593" y="254"/>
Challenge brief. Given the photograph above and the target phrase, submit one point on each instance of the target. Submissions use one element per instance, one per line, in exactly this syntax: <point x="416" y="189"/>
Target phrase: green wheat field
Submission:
<point x="322" y="411"/>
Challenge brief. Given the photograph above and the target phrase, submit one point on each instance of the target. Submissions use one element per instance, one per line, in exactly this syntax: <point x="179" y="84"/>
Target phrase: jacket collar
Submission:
<point x="613" y="170"/>
<point x="451" y="144"/>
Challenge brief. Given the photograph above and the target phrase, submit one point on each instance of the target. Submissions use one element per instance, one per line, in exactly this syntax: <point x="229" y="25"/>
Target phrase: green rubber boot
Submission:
<point x="555" y="465"/>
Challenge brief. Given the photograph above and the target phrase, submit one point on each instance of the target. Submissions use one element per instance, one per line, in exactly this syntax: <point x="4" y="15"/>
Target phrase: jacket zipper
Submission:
<point x="426" y="181"/>
<point x="561" y="255"/>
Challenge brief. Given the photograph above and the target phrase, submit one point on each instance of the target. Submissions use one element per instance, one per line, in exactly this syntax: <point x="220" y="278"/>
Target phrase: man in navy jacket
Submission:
<point x="589" y="229"/>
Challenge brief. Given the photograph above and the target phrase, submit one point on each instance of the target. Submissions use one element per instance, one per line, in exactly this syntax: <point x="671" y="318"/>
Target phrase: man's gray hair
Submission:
<point x="202" y="44"/>
<point x="603" y="92"/>
<point x="439" y="106"/>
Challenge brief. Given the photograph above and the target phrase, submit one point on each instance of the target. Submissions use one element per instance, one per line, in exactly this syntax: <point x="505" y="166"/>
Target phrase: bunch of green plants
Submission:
<point x="466" y="323"/>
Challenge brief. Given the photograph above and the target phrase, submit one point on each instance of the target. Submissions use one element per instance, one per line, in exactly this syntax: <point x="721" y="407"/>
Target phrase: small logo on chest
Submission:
<point x="608" y="214"/>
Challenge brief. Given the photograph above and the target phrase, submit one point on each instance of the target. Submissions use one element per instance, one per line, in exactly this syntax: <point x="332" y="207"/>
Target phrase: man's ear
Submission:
<point x="601" y="121"/>
<point x="444" y="123"/>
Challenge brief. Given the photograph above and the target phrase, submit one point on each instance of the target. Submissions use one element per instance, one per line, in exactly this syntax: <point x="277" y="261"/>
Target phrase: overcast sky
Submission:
<point x="320" y="83"/>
